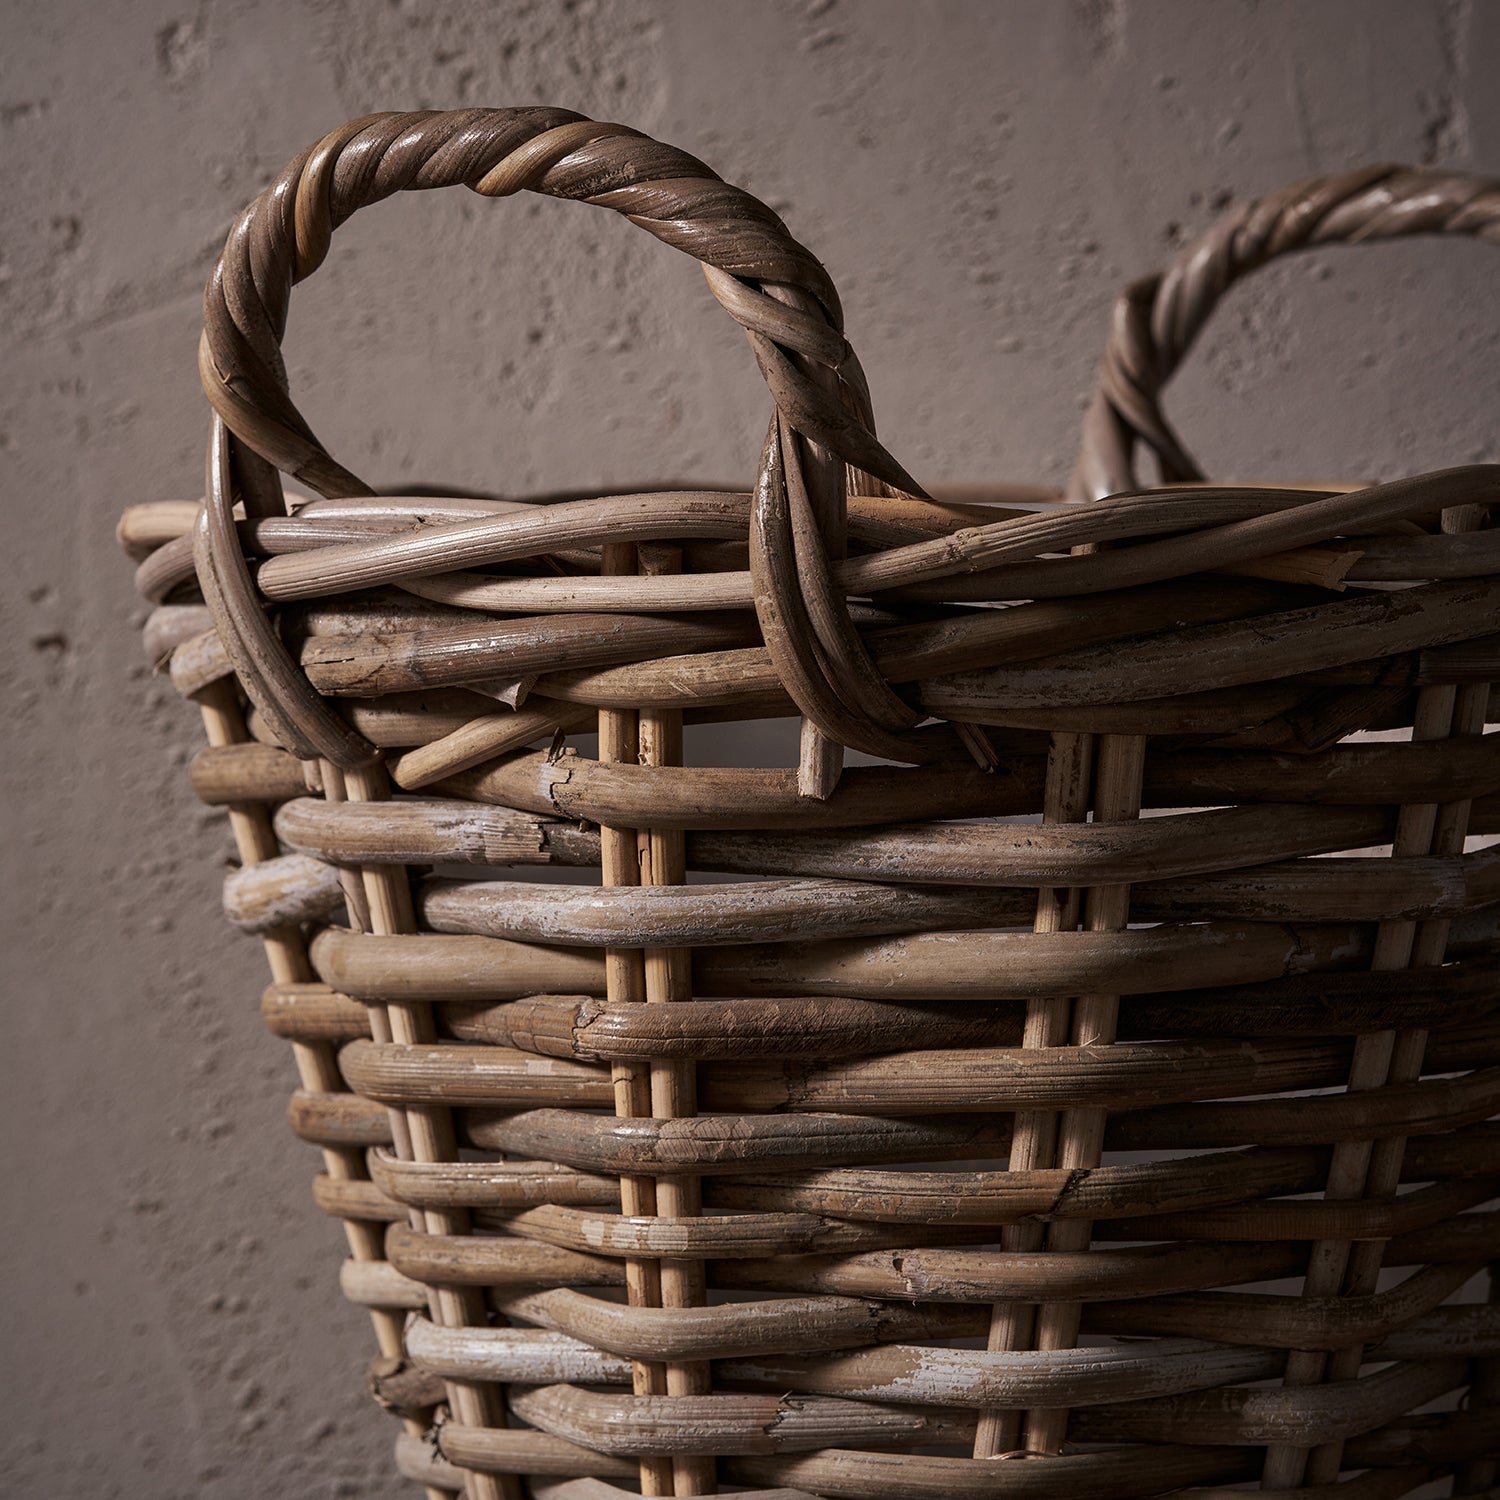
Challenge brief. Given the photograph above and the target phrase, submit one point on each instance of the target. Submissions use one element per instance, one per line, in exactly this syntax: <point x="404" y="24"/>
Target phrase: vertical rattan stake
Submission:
<point x="1065" y="799"/>
<point x="1080" y="1133"/>
<point x="317" y="1065"/>
<point x="625" y="983"/>
<point x="674" y="1083"/>
<point x="431" y="1139"/>
<point x="1366" y="1168"/>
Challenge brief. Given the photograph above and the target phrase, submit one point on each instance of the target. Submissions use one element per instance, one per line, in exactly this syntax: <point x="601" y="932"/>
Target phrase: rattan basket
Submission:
<point x="977" y="1115"/>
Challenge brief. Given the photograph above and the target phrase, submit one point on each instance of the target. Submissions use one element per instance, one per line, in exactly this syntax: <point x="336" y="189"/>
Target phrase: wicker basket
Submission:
<point x="958" y="1130"/>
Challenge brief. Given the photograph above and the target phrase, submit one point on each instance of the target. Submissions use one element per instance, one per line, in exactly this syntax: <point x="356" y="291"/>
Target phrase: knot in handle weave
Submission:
<point x="821" y="438"/>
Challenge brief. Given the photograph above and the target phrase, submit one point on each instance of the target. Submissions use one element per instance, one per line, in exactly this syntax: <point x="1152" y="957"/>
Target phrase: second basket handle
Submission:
<point x="770" y="284"/>
<point x="1156" y="320"/>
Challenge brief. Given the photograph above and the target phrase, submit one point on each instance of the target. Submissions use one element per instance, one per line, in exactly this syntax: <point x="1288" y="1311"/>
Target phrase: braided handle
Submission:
<point x="773" y="287"/>
<point x="1157" y="319"/>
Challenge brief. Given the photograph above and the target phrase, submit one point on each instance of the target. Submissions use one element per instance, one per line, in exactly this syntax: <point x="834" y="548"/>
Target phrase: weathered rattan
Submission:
<point x="981" y="1136"/>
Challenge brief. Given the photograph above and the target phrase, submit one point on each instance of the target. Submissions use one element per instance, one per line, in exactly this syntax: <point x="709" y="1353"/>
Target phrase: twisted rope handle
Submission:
<point x="772" y="286"/>
<point x="1157" y="319"/>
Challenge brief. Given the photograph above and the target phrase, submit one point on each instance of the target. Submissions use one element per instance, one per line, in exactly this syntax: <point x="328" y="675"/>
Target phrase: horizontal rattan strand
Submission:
<point x="459" y="534"/>
<point x="800" y="1325"/>
<point x="1232" y="649"/>
<point x="909" y="1273"/>
<point x="143" y="528"/>
<point x="465" y="968"/>
<point x="770" y="1150"/>
<point x="713" y="688"/>
<point x="906" y="1374"/>
<point x="1128" y="1075"/>
<point x="620" y="1424"/>
<point x="439" y="651"/>
<point x="1284" y="1322"/>
<point x="503" y="1450"/>
<point x="1115" y="1474"/>
<point x="753" y="1329"/>
<point x="1366" y="512"/>
<point x="489" y="1184"/>
<point x="737" y="1143"/>
<point x="1387" y="1484"/>
<point x="377" y="1283"/>
<point x="904" y="1196"/>
<point x="1310" y="1219"/>
<point x="709" y="797"/>
<point x="365" y="666"/>
<point x="483" y="1260"/>
<point x="706" y="798"/>
<point x="1282" y="519"/>
<point x="964" y="1277"/>
<point x="1234" y="653"/>
<point x="784" y="1325"/>
<point x="749" y="1234"/>
<point x="989" y="1197"/>
<point x="522" y="1356"/>
<point x="1331" y="890"/>
<point x="934" y="852"/>
<point x="1397" y="1109"/>
<point x="197" y="664"/>
<point x="905" y="648"/>
<point x="721" y="1425"/>
<point x="1098" y="1275"/>
<point x="1374" y="559"/>
<point x="1435" y="1437"/>
<point x="702" y="916"/>
<point x="1398" y="559"/>
<point x="338" y="1119"/>
<point x="282" y="891"/>
<point x="802" y="907"/>
<point x="1373" y="1484"/>
<point x="168" y="626"/>
<point x="732" y="1236"/>
<point x="716" y="1145"/>
<point x="346" y="1198"/>
<point x="578" y="1026"/>
<point x="489" y="537"/>
<point x="716" y="797"/>
<point x="1298" y="717"/>
<point x="296" y="888"/>
<point x="417" y="832"/>
<point x="398" y="720"/>
<point x="1304" y="1415"/>
<point x="1465" y="1330"/>
<point x="876" y="519"/>
<point x="942" y="966"/>
<point x="1181" y="1185"/>
<point x="312" y="1012"/>
<point x="248" y="773"/>
<point x="715" y="558"/>
<point x="1109" y="1474"/>
<point x="741" y="1424"/>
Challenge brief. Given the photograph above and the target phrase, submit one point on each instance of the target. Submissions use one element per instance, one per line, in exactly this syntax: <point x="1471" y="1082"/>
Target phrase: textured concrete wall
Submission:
<point x="979" y="177"/>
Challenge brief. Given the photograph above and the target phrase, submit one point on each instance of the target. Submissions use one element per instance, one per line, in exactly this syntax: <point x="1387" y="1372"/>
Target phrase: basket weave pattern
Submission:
<point x="931" y="1152"/>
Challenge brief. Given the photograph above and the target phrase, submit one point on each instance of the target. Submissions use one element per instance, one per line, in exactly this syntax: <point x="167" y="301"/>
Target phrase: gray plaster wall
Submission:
<point x="980" y="179"/>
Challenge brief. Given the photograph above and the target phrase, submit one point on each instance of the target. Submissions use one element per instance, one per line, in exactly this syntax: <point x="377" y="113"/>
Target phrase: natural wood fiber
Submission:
<point x="1090" y="1090"/>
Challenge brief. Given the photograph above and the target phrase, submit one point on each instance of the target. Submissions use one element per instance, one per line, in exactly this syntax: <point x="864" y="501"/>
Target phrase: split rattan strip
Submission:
<point x="758" y="1230"/>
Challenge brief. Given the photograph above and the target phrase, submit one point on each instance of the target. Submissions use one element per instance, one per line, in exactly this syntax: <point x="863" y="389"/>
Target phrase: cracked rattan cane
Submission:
<point x="1091" y="1093"/>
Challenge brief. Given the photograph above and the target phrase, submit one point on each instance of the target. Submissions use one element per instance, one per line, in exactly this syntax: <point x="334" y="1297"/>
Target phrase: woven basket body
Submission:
<point x="1087" y="1094"/>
